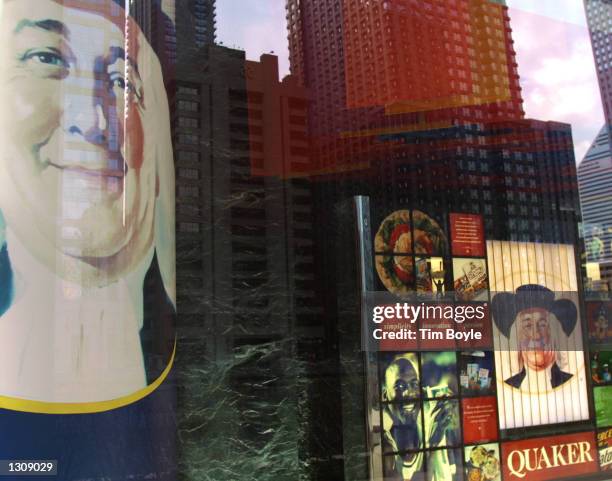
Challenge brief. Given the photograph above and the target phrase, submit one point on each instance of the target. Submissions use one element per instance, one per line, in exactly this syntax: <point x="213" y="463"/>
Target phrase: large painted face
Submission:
<point x="77" y="187"/>
<point x="535" y="340"/>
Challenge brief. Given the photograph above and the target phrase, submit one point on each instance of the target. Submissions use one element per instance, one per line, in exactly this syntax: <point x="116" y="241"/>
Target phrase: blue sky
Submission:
<point x="551" y="39"/>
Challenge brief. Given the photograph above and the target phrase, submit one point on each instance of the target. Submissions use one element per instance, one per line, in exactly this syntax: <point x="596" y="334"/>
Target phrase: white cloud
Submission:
<point x="571" y="11"/>
<point x="557" y="68"/>
<point x="255" y="26"/>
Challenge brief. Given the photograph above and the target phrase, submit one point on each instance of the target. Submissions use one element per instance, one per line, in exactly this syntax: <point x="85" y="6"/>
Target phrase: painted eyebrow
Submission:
<point x="116" y="53"/>
<point x="50" y="25"/>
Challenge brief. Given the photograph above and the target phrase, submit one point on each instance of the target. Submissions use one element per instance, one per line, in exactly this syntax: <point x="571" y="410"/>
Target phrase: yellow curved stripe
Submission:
<point x="41" y="407"/>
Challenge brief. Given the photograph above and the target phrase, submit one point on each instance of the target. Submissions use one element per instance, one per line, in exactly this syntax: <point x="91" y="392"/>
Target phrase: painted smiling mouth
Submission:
<point x="118" y="173"/>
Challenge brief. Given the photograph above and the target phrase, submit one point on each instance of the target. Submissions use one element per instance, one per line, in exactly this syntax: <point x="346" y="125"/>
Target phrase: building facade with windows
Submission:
<point x="594" y="176"/>
<point x="599" y="21"/>
<point x="596" y="166"/>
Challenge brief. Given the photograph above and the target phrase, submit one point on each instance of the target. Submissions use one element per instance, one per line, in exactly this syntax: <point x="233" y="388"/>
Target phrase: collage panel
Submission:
<point x="394" y="235"/>
<point x="396" y="273"/>
<point x="439" y="374"/>
<point x="479" y="419"/>
<point x="404" y="467"/>
<point x="482" y="462"/>
<point x="399" y="377"/>
<point x="470" y="279"/>
<point x="402" y="427"/>
<point x="442" y="423"/>
<point x="444" y="465"/>
<point x="467" y="235"/>
<point x="476" y="373"/>
<point x="424" y="282"/>
<point x="603" y="406"/>
<point x="431" y="277"/>
<point x="599" y="322"/>
<point x="429" y="237"/>
<point x="601" y="367"/>
<point x="604" y="449"/>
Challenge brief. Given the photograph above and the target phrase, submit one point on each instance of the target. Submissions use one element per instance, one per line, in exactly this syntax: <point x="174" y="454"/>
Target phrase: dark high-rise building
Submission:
<point x="246" y="285"/>
<point x="520" y="175"/>
<point x="157" y="20"/>
<point x="242" y="229"/>
<point x="176" y="27"/>
<point x="195" y="24"/>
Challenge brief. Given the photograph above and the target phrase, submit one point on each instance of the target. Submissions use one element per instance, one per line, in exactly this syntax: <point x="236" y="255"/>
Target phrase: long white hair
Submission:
<point x="158" y="146"/>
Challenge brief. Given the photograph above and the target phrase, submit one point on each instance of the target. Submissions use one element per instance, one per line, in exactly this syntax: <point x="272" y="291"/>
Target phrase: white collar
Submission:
<point x="65" y="343"/>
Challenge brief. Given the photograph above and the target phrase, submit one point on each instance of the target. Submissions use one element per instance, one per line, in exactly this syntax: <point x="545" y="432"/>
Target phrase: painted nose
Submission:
<point x="84" y="117"/>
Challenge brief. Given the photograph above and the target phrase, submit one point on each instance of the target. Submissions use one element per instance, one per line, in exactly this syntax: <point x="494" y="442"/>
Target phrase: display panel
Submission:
<point x="603" y="406"/>
<point x="479" y="419"/>
<point x="527" y="370"/>
<point x="555" y="457"/>
<point x="404" y="467"/>
<point x="482" y="463"/>
<point x="467" y="235"/>
<point x="476" y="373"/>
<point x="604" y="446"/>
<point x="402" y="234"/>
<point x="539" y="358"/>
<point x="444" y="464"/>
<point x="439" y="374"/>
<point x="601" y="367"/>
<point x="429" y="236"/>
<point x="420" y="415"/>
<point x="442" y="423"/>
<point x="86" y="205"/>
<point x="470" y="279"/>
<point x="599" y="321"/>
<point x="400" y="376"/>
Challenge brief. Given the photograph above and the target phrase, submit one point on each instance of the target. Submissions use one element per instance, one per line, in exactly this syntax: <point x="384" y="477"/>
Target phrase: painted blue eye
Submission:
<point x="118" y="82"/>
<point x="48" y="58"/>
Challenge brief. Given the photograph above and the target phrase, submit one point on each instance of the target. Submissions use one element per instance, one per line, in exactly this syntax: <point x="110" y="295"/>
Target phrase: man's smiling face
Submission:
<point x="535" y="338"/>
<point x="402" y="385"/>
<point x="72" y="166"/>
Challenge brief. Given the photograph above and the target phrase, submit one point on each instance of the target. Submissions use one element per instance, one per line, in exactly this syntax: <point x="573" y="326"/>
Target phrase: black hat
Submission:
<point x="505" y="306"/>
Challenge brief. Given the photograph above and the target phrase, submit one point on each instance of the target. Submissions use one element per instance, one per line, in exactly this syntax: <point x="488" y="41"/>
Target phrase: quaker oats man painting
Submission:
<point x="537" y="334"/>
<point x="87" y="279"/>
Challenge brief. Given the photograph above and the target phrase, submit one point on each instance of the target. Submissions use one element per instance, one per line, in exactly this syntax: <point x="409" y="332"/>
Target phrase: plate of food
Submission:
<point x="483" y="463"/>
<point x="396" y="273"/>
<point x="395" y="234"/>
